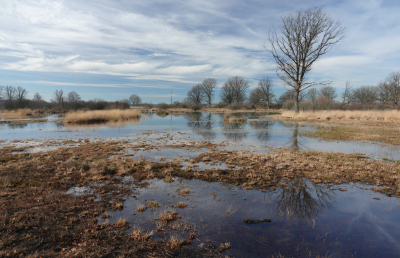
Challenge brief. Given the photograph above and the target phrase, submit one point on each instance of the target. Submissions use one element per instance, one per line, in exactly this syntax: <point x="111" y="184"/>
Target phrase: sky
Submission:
<point x="110" y="49"/>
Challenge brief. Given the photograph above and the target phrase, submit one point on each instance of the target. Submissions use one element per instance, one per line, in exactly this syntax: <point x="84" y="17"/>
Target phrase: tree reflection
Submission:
<point x="201" y="125"/>
<point x="234" y="131"/>
<point x="261" y="128"/>
<point x="295" y="145"/>
<point x="303" y="200"/>
<point x="17" y="126"/>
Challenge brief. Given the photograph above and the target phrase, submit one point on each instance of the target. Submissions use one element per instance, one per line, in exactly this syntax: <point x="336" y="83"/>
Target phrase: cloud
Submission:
<point x="183" y="42"/>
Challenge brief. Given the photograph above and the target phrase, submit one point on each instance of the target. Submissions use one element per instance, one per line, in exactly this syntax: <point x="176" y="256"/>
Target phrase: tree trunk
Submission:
<point x="296" y="101"/>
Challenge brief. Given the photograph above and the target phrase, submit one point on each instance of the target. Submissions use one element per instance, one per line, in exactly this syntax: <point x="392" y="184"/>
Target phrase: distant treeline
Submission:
<point x="16" y="98"/>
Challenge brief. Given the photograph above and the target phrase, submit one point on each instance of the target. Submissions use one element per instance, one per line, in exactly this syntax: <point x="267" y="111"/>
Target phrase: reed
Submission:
<point x="374" y="115"/>
<point x="20" y="113"/>
<point x="99" y="116"/>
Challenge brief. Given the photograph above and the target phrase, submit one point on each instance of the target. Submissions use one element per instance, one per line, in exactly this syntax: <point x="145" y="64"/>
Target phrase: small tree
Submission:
<point x="208" y="86"/>
<point x="328" y="91"/>
<point x="10" y="94"/>
<point x="59" y="98"/>
<point x="347" y="95"/>
<point x="196" y="94"/>
<point x="255" y="96"/>
<point x="365" y="94"/>
<point x="135" y="100"/>
<point x="265" y="86"/>
<point x="234" y="90"/>
<point x="37" y="100"/>
<point x="393" y="80"/>
<point x="312" y="95"/>
<point x="306" y="35"/>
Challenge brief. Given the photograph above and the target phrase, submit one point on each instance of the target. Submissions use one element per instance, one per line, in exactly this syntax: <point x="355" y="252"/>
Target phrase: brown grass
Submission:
<point x="168" y="215"/>
<point x="18" y="114"/>
<point x="229" y="118"/>
<point x="153" y="204"/>
<point x="99" y="116"/>
<point x="121" y="223"/>
<point x="374" y="115"/>
<point x="350" y="133"/>
<point x="184" y="192"/>
<point x="181" y="205"/>
<point x="141" y="208"/>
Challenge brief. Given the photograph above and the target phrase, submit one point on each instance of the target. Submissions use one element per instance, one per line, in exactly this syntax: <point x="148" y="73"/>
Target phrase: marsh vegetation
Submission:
<point x="183" y="184"/>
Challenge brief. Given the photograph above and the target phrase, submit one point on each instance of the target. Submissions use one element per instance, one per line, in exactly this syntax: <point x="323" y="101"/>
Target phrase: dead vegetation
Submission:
<point x="101" y="116"/>
<point x="349" y="133"/>
<point x="39" y="218"/>
<point x="17" y="114"/>
<point x="374" y="115"/>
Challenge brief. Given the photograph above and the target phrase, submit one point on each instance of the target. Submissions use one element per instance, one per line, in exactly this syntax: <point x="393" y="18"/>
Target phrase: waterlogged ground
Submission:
<point x="255" y="134"/>
<point x="306" y="222"/>
<point x="153" y="158"/>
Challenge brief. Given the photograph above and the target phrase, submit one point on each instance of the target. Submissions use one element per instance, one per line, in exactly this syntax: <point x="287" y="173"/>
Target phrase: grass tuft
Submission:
<point x="100" y="116"/>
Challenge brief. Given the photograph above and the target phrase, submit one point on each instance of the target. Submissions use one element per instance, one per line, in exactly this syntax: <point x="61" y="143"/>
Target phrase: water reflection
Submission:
<point x="201" y="125"/>
<point x="295" y="145"/>
<point x="303" y="200"/>
<point x="261" y="128"/>
<point x="18" y="126"/>
<point x="234" y="131"/>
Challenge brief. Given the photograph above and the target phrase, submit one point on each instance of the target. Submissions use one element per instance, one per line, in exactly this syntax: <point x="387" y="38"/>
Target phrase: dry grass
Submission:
<point x="138" y="235"/>
<point x="175" y="242"/>
<point x="18" y="114"/>
<point x="184" y="192"/>
<point x="141" y="208"/>
<point x="374" y="115"/>
<point x="168" y="215"/>
<point x="153" y="204"/>
<point x="181" y="205"/>
<point x="121" y="223"/>
<point x="97" y="116"/>
<point x="229" y="118"/>
<point x="224" y="246"/>
<point x="350" y="133"/>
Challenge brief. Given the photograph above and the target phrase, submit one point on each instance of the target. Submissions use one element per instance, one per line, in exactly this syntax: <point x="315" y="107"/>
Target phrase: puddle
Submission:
<point x="258" y="134"/>
<point x="80" y="190"/>
<point x="311" y="220"/>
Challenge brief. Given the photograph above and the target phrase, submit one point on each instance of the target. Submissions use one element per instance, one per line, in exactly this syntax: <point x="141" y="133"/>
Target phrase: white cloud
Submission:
<point x="186" y="41"/>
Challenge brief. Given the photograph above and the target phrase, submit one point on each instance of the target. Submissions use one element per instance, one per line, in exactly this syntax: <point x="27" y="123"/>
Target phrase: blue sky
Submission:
<point x="111" y="49"/>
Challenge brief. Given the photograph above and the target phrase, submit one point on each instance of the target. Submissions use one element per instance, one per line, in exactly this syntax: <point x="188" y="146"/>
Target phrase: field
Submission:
<point x="195" y="184"/>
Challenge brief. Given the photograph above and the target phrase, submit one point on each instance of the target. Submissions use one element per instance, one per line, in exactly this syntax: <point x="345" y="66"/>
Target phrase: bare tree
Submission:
<point x="328" y="91"/>
<point x="312" y="94"/>
<point x="347" y="94"/>
<point x="384" y="92"/>
<point x="306" y="36"/>
<point x="393" y="81"/>
<point x="365" y="94"/>
<point x="289" y="95"/>
<point x="37" y="100"/>
<point x="10" y="94"/>
<point x="135" y="100"/>
<point x="208" y="86"/>
<point x="265" y="86"/>
<point x="2" y="92"/>
<point x="73" y="97"/>
<point x="58" y="97"/>
<point x="196" y="94"/>
<point x="234" y="90"/>
<point x="255" y="96"/>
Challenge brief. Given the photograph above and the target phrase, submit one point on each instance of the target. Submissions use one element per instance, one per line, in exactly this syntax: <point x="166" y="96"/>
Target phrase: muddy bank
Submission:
<point x="41" y="218"/>
<point x="349" y="130"/>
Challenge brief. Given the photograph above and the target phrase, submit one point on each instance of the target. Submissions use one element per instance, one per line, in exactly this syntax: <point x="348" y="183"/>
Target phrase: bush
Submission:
<point x="196" y="107"/>
<point x="162" y="105"/>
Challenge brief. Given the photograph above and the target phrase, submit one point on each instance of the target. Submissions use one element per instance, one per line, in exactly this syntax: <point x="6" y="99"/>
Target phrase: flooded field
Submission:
<point x="252" y="189"/>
